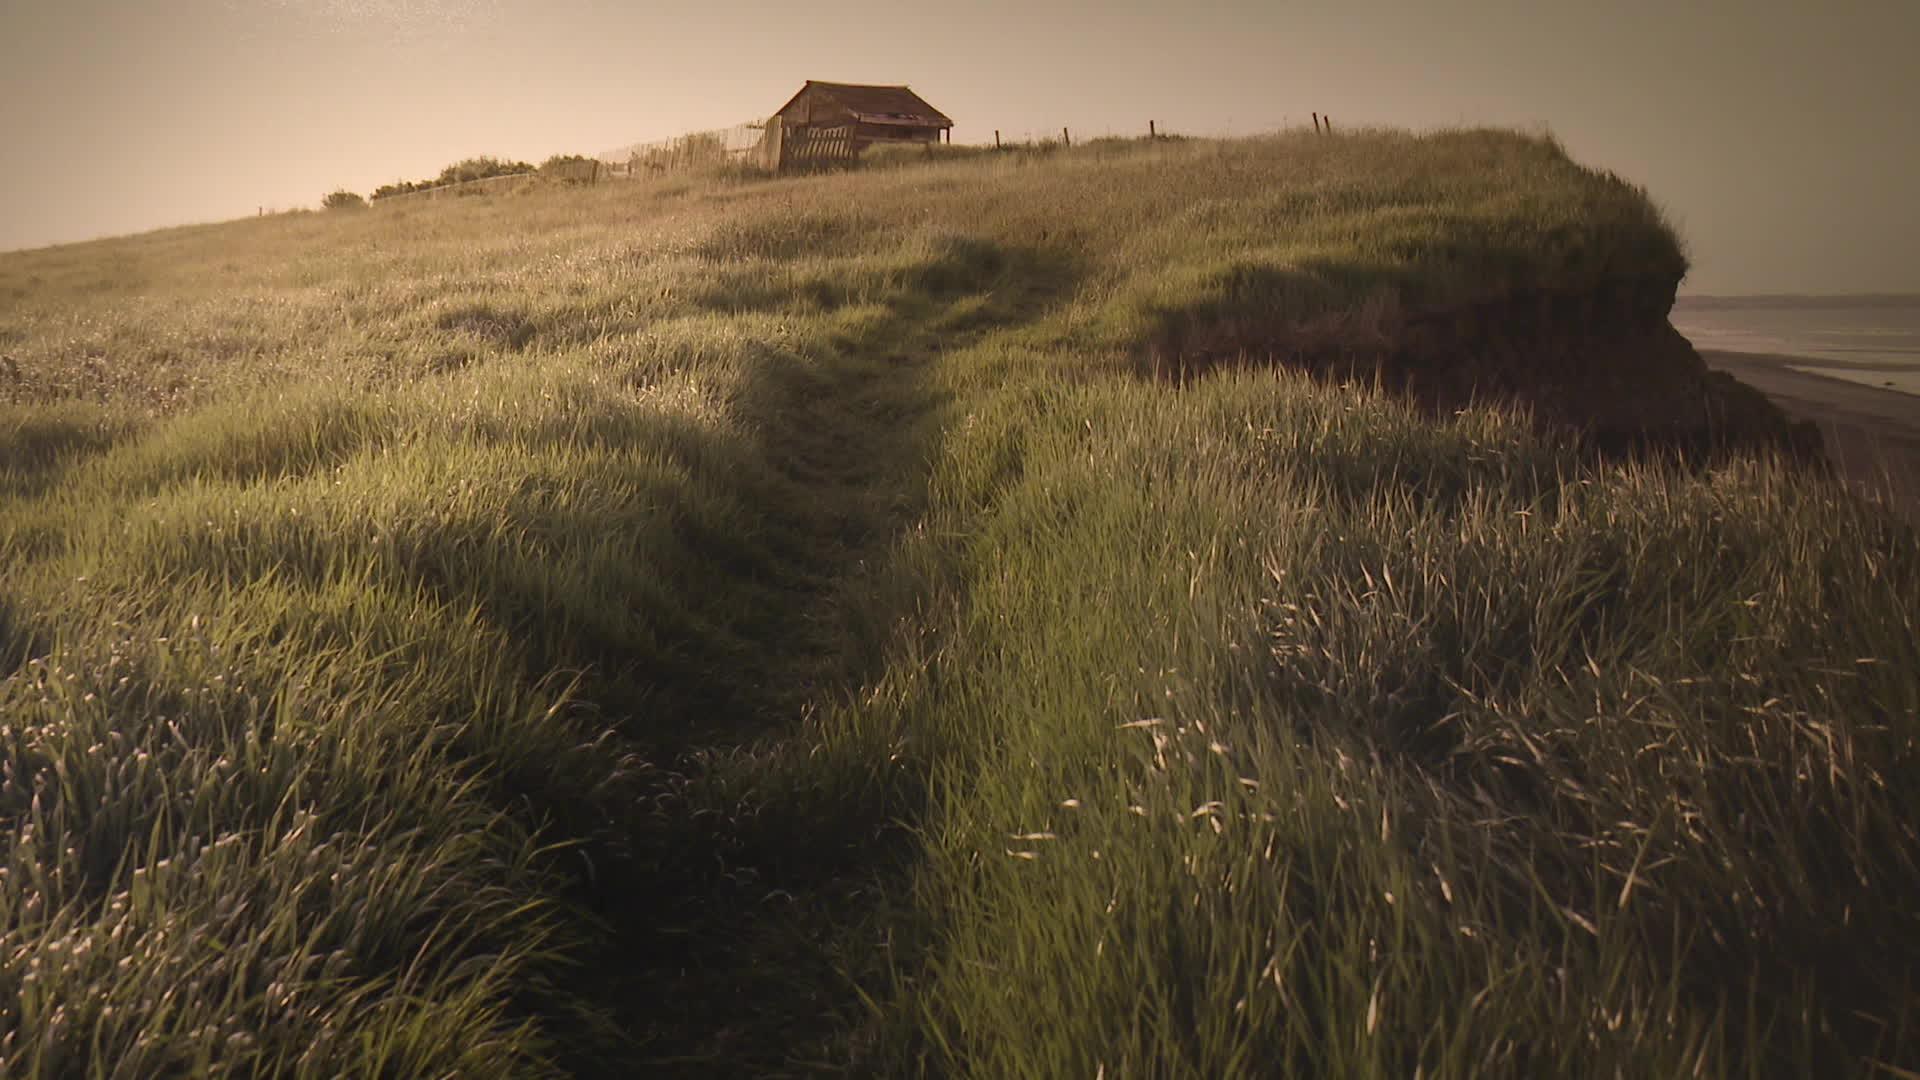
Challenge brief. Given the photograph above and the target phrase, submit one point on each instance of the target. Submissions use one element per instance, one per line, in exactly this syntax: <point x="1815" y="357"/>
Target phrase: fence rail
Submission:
<point x="768" y="145"/>
<point x="482" y="186"/>
<point x="745" y="144"/>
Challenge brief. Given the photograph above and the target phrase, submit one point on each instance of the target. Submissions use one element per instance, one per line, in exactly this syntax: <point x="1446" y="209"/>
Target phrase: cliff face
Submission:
<point x="1605" y="362"/>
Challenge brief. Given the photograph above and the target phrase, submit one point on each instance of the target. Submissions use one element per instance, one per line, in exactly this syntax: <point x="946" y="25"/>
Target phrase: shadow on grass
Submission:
<point x="751" y="861"/>
<point x="40" y="443"/>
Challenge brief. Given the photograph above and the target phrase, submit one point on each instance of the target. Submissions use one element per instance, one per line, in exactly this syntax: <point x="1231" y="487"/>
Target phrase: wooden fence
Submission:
<point x="742" y="144"/>
<point x="769" y="146"/>
<point x="805" y="148"/>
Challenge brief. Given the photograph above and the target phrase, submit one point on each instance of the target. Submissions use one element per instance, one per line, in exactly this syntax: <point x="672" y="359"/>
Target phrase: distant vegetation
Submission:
<point x="460" y="172"/>
<point x="569" y="167"/>
<point x="343" y="200"/>
<point x="1006" y="617"/>
<point x="481" y="168"/>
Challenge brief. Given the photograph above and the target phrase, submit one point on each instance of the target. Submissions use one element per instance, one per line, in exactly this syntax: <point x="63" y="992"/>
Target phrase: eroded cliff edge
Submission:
<point x="1605" y="363"/>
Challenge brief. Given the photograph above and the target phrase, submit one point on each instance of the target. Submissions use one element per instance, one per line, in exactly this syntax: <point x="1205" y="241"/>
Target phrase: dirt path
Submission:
<point x="1872" y="435"/>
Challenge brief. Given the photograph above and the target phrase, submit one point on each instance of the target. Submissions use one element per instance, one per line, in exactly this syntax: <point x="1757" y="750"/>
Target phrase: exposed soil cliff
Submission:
<point x="1606" y="363"/>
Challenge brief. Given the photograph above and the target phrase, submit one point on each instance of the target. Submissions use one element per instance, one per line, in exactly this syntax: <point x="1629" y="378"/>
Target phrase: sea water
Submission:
<point x="1870" y="340"/>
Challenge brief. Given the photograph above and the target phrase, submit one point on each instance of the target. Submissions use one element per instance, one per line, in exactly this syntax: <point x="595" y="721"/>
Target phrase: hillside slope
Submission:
<point x="1028" y="615"/>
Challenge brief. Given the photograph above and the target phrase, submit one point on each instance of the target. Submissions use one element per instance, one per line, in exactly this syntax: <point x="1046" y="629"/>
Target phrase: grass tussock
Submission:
<point x="754" y="626"/>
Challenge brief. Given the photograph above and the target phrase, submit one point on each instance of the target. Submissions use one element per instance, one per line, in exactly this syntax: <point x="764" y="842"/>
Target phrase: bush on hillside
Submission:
<point x="399" y="187"/>
<point x="481" y="168"/>
<point x="460" y="172"/>
<point x="343" y="200"/>
<point x="571" y="168"/>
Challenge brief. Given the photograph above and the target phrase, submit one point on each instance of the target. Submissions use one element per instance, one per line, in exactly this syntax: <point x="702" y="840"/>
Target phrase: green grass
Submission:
<point x="766" y="627"/>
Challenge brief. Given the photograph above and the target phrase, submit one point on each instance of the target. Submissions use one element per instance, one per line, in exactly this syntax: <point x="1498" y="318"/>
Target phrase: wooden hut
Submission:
<point x="860" y="116"/>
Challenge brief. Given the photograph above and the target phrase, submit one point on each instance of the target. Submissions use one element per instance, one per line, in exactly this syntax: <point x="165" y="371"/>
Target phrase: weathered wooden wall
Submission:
<point x="807" y="147"/>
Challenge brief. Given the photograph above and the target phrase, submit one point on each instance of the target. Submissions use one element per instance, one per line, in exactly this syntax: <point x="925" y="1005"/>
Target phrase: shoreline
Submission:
<point x="1869" y="433"/>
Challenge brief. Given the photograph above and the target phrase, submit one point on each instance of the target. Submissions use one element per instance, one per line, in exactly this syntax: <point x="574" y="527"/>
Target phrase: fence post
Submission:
<point x="776" y="137"/>
<point x="1329" y="125"/>
<point x="1065" y="138"/>
<point x="1316" y="123"/>
<point x="1151" y="134"/>
<point x="996" y="138"/>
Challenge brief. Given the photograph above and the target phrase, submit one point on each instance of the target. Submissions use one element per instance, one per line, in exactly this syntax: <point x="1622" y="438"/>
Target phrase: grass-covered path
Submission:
<point x="755" y="901"/>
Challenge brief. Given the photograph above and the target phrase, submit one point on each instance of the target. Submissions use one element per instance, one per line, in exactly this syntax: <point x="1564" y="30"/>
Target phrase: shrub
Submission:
<point x="401" y="187"/>
<point x="481" y="168"/>
<point x="570" y="168"/>
<point x="344" y="200"/>
<point x="460" y="172"/>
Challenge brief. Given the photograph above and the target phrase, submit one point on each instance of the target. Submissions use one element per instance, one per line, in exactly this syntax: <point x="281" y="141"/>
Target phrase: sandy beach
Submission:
<point x="1871" y="434"/>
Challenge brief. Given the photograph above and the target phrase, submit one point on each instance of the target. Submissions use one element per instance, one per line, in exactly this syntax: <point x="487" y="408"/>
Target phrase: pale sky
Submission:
<point x="1782" y="138"/>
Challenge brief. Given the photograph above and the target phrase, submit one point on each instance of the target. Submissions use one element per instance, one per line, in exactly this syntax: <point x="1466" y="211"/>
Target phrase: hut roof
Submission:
<point x="878" y="104"/>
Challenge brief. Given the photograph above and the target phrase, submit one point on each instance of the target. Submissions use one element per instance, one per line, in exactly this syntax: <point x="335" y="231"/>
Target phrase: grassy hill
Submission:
<point x="1039" y="614"/>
